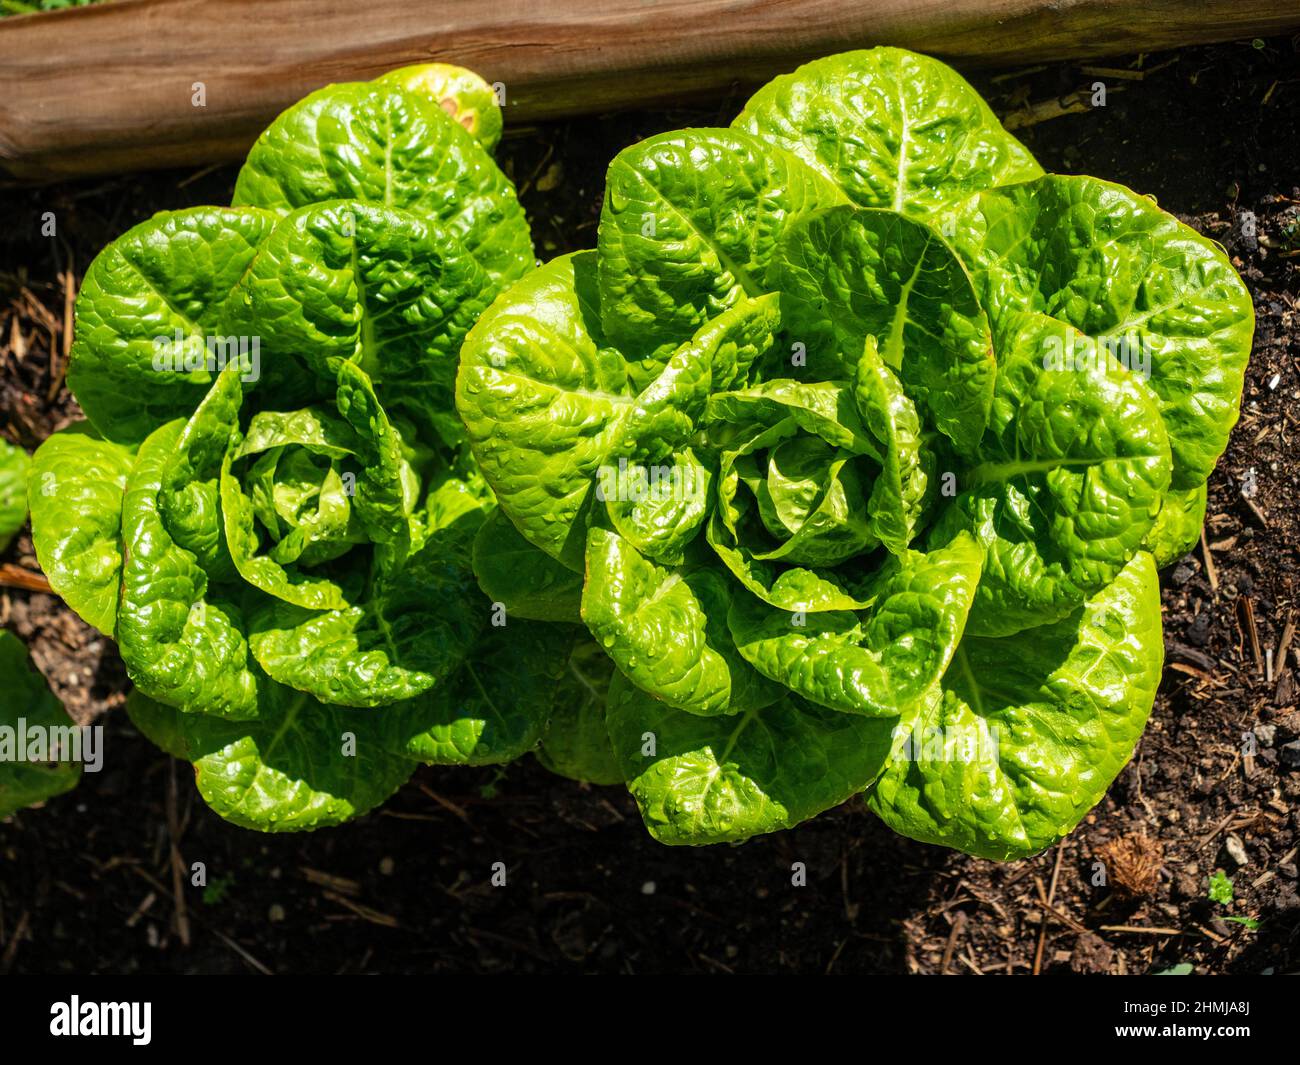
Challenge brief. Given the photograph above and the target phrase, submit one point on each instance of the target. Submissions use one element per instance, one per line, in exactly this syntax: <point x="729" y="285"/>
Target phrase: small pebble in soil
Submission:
<point x="648" y="888"/>
<point x="1265" y="734"/>
<point x="1291" y="753"/>
<point x="1236" y="850"/>
<point x="275" y="913"/>
<point x="386" y="866"/>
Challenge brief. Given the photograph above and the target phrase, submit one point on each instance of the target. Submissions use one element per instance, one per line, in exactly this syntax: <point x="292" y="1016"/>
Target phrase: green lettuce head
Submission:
<point x="855" y="444"/>
<point x="272" y="507"/>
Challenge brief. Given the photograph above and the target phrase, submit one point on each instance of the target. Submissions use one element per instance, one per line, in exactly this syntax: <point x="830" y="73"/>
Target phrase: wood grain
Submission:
<point x="109" y="88"/>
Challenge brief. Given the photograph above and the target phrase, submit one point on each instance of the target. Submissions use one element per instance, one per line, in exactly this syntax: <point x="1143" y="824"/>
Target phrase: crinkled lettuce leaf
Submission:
<point x="893" y="129"/>
<point x="1158" y="296"/>
<point x="1031" y="728"/>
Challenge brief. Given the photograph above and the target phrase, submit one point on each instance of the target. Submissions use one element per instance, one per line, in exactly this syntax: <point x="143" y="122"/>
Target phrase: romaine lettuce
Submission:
<point x="859" y="433"/>
<point x="272" y="508"/>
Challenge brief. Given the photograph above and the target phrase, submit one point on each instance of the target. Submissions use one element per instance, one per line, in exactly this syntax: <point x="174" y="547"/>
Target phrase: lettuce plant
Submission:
<point x="33" y="728"/>
<point x="271" y="506"/>
<point x="856" y="444"/>
<point x="14" y="464"/>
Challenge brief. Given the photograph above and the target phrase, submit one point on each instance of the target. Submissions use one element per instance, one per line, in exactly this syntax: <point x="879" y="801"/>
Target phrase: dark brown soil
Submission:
<point x="86" y="884"/>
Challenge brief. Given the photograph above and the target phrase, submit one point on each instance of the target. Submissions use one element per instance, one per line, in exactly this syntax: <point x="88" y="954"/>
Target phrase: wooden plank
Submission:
<point x="111" y="88"/>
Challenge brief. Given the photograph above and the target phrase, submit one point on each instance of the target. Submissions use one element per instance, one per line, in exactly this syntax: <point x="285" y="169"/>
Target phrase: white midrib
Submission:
<point x="388" y="158"/>
<point x="487" y="699"/>
<point x="972" y="685"/>
<point x="901" y="174"/>
<point x="291" y="715"/>
<point x="734" y="738"/>
<point x="369" y="345"/>
<point x="990" y="472"/>
<point x="894" y="347"/>
<point x="386" y="631"/>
